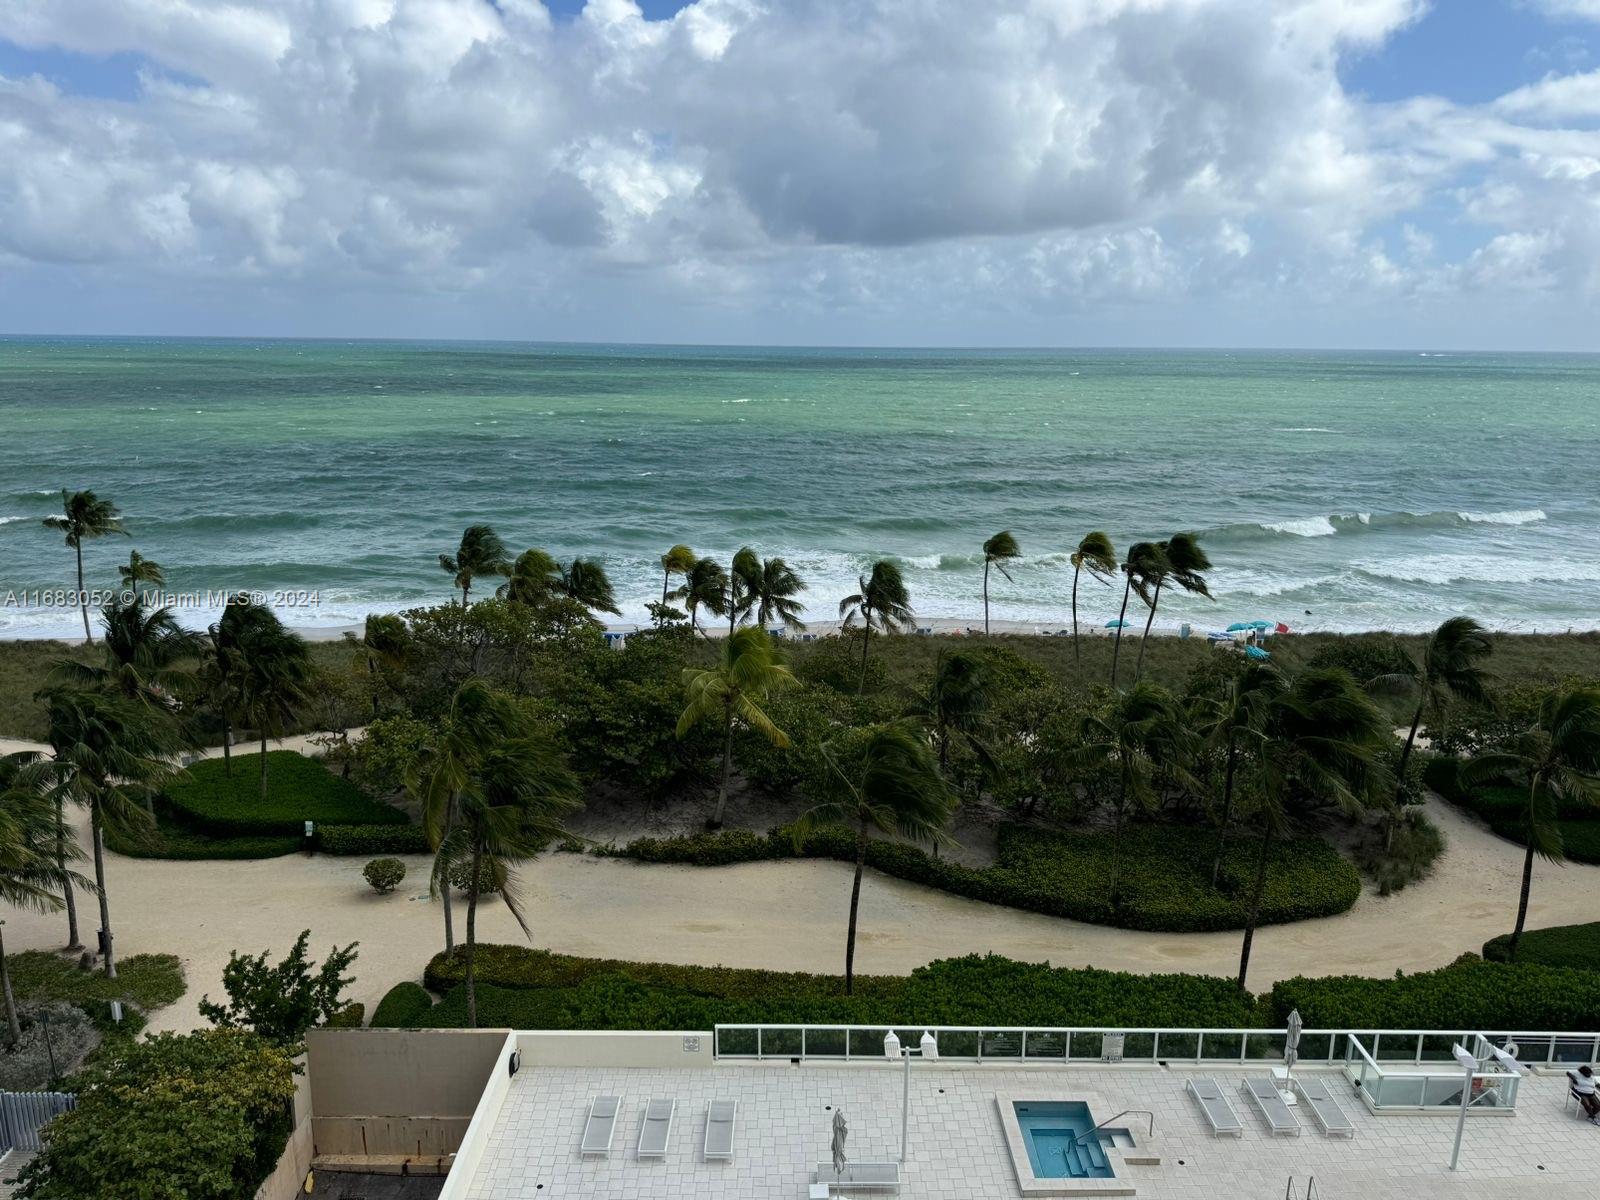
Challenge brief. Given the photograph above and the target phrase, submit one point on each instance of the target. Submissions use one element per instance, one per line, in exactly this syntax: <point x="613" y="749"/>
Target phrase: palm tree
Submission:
<point x="1233" y="724"/>
<point x="705" y="585"/>
<point x="1096" y="553"/>
<point x="956" y="705"/>
<point x="883" y="601"/>
<point x="521" y="788"/>
<point x="883" y="779"/>
<point x="84" y="515"/>
<point x="1559" y="758"/>
<point x="30" y="874"/>
<point x="481" y="553"/>
<point x="533" y="579"/>
<point x="1139" y="570"/>
<point x="446" y="768"/>
<point x="108" y="754"/>
<point x="1319" y="739"/>
<point x="733" y="690"/>
<point x="382" y="647"/>
<point x="273" y="679"/>
<point x="771" y="593"/>
<point x="223" y="668"/>
<point x="1142" y="732"/>
<point x="744" y="576"/>
<point x="679" y="560"/>
<point x="149" y="657"/>
<point x="140" y="571"/>
<point x="585" y="580"/>
<point x="1449" y="665"/>
<point x="997" y="552"/>
<point x="1182" y="561"/>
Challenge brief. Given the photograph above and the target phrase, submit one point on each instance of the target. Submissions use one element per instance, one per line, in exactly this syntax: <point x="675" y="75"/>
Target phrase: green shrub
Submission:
<point x="147" y="980"/>
<point x="1576" y="946"/>
<point x="491" y="877"/>
<point x="352" y="840"/>
<point x="204" y="1116"/>
<point x="298" y="790"/>
<point x="386" y="750"/>
<point x="281" y="1001"/>
<point x="350" y="1016"/>
<point x="1414" y="846"/>
<point x="384" y="874"/>
<point x="402" y="1005"/>
<point x="1165" y="876"/>
<point x="1503" y="807"/>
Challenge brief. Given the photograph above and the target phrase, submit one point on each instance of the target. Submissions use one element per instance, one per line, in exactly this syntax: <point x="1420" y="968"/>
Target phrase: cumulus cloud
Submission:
<point x="780" y="154"/>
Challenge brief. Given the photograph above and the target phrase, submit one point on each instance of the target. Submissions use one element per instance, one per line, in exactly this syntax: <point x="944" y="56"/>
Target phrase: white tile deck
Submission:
<point x="957" y="1151"/>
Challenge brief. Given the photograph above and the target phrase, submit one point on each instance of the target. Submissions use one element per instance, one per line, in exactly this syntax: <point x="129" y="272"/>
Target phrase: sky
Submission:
<point x="1298" y="173"/>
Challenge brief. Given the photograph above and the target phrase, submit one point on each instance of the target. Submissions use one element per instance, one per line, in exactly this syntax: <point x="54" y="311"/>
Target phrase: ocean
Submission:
<point x="1332" y="491"/>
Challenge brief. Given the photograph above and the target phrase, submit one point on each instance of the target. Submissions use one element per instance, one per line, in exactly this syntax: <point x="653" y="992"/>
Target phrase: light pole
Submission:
<point x="1469" y="1063"/>
<point x="927" y="1048"/>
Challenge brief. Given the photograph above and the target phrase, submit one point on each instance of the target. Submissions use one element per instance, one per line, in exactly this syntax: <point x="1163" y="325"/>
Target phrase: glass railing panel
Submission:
<point x="1044" y="1044"/>
<point x="1002" y="1043"/>
<point x="1572" y="1050"/>
<point x="1439" y="1048"/>
<point x="1139" y="1045"/>
<point x="1086" y="1047"/>
<point x="1178" y="1047"/>
<point x="1221" y="1047"/>
<point x="958" y="1043"/>
<point x="1264" y="1046"/>
<point x="825" y="1043"/>
<point x="780" y="1043"/>
<point x="1316" y="1047"/>
<point x="736" y="1043"/>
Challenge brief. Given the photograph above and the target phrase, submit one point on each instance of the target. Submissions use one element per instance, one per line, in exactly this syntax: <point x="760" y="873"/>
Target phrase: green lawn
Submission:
<point x="149" y="981"/>
<point x="218" y="803"/>
<point x="1558" y="946"/>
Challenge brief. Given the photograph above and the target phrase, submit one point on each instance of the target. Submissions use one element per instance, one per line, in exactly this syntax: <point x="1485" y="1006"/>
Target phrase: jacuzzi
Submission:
<point x="1053" y="1154"/>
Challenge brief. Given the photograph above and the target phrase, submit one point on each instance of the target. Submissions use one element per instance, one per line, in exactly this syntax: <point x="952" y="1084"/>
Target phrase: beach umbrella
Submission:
<point x="840" y="1132"/>
<point x="1256" y="652"/>
<point x="1240" y="626"/>
<point x="1291" y="1044"/>
<point x="1261" y="624"/>
<point x="1115" y="624"/>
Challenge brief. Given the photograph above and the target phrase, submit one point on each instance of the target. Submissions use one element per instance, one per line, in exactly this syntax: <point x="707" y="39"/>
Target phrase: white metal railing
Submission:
<point x="994" y="1043"/>
<point x="1432" y="1085"/>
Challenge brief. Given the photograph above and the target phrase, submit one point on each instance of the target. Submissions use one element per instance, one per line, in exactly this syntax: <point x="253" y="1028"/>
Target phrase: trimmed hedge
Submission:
<point x="402" y="1006"/>
<point x="1166" y="882"/>
<point x="1576" y="946"/>
<point x="1504" y="807"/>
<point x="372" y="839"/>
<point x="350" y="1016"/>
<point x="299" y="789"/>
<point x="173" y="841"/>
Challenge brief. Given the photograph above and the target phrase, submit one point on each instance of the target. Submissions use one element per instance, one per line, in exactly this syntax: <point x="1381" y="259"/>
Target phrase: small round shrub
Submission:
<point x="384" y="874"/>
<point x="491" y="877"/>
<point x="401" y="1006"/>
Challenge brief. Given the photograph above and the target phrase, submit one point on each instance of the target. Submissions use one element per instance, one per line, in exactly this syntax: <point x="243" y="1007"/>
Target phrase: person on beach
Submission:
<point x="1583" y="1086"/>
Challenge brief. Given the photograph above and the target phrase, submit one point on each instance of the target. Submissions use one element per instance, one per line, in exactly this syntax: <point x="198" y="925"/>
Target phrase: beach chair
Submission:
<point x="1324" y="1107"/>
<point x="1218" y="1112"/>
<point x="722" y="1116"/>
<point x="601" y="1125"/>
<point x="1264" y="1094"/>
<point x="656" y="1128"/>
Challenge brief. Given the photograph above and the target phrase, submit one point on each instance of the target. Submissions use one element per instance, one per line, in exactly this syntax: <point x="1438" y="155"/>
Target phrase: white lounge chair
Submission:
<point x="656" y="1128"/>
<point x="722" y="1116"/>
<point x="601" y="1125"/>
<point x="1264" y="1094"/>
<point x="1324" y="1107"/>
<point x="860" y="1177"/>
<point x="1218" y="1112"/>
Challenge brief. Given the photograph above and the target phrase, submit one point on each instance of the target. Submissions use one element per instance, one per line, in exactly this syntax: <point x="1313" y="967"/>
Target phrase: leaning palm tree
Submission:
<point x="883" y="601"/>
<point x="733" y="691"/>
<point x="679" y="560"/>
<point x="744" y="576"/>
<point x="84" y="515"/>
<point x="522" y="789"/>
<point x="1232" y="724"/>
<point x="1140" y="570"/>
<point x="956" y="706"/>
<point x="997" y="552"/>
<point x="705" y="585"/>
<point x="140" y="571"/>
<point x="1182" y="561"/>
<point x="533" y="578"/>
<point x="381" y="649"/>
<point x="222" y="668"/>
<point x="149" y="657"/>
<point x="481" y="553"/>
<point x="274" y="678"/>
<point x="1559" y="760"/>
<point x="1319" y="739"/>
<point x="585" y="580"/>
<point x="108" y="754"/>
<point x="771" y="593"/>
<point x="1096" y="553"/>
<point x="881" y="779"/>
<point x="1450" y="665"/>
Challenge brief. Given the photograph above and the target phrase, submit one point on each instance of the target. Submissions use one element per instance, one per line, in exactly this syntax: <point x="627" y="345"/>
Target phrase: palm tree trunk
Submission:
<point x="1138" y="665"/>
<point x="986" y="597"/>
<point x="866" y="636"/>
<point x="472" y="934"/>
<point x="1255" y="906"/>
<point x="13" y="1026"/>
<point x="83" y="600"/>
<point x="227" y="745"/>
<point x="464" y="589"/>
<point x="1116" y="649"/>
<point x="449" y="921"/>
<point x="727" y="764"/>
<point x="1527" y="880"/>
<point x="100" y="885"/>
<point x="1077" y="655"/>
<point x="372" y="678"/>
<point x="1227" y="806"/>
<point x="855" y="905"/>
<point x="263" y="763"/>
<point x="1400" y="775"/>
<point x="73" y="942"/>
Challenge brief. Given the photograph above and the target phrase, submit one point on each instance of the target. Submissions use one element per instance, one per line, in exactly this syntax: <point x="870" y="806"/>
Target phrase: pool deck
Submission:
<point x="958" y="1149"/>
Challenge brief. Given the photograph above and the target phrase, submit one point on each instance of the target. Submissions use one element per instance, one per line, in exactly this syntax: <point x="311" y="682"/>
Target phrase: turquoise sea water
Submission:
<point x="1376" y="490"/>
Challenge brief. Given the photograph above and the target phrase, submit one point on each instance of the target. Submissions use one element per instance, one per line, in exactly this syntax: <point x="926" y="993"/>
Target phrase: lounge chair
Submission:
<point x="656" y="1128"/>
<point x="1324" y="1107"/>
<point x="721" y="1118"/>
<point x="1218" y="1112"/>
<point x="601" y="1125"/>
<point x="1264" y="1094"/>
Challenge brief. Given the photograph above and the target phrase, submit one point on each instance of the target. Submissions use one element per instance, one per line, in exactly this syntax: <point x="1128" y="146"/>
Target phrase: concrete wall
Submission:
<point x="289" y="1175"/>
<point x="582" y="1048"/>
<point x="382" y="1093"/>
<point x="476" y="1139"/>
